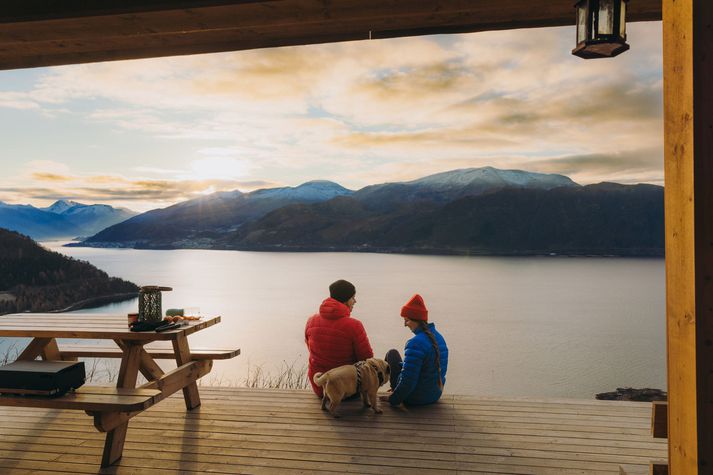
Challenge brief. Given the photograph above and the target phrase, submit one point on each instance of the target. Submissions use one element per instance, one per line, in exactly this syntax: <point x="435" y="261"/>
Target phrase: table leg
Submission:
<point x="37" y="348"/>
<point x="128" y="372"/>
<point x="114" y="444"/>
<point x="147" y="365"/>
<point x="130" y="362"/>
<point x="183" y="356"/>
<point x="51" y="351"/>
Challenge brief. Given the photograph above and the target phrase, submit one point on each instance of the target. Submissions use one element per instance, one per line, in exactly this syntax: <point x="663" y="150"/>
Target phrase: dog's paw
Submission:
<point x="377" y="410"/>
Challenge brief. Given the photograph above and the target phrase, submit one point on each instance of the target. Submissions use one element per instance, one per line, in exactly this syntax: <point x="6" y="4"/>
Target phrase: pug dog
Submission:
<point x="364" y="377"/>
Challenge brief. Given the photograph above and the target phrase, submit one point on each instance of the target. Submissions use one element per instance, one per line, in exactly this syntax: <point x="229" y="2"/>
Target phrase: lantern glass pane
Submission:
<point x="581" y="22"/>
<point x="606" y="17"/>
<point x="622" y="20"/>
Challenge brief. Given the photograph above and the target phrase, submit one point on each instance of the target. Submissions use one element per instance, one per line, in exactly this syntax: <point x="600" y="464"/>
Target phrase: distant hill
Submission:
<point x="474" y="210"/>
<point x="35" y="279"/>
<point x="197" y="222"/>
<point x="603" y="219"/>
<point x="90" y="218"/>
<point x="62" y="220"/>
<point x="37" y="223"/>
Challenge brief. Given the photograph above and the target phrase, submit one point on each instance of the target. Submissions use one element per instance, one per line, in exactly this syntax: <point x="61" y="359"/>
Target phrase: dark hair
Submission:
<point x="427" y="331"/>
<point x="342" y="290"/>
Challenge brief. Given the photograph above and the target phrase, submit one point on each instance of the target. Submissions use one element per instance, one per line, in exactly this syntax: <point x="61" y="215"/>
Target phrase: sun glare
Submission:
<point x="218" y="168"/>
<point x="208" y="191"/>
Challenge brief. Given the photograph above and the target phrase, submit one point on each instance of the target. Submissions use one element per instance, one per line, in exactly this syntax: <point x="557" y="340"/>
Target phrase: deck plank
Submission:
<point x="239" y="430"/>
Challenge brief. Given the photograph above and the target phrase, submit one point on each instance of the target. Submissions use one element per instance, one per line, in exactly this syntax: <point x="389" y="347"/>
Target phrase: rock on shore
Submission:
<point x="633" y="394"/>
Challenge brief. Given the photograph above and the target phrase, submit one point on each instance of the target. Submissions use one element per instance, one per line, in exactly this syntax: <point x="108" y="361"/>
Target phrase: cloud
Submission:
<point x="17" y="100"/>
<point x="158" y="170"/>
<point x="46" y="167"/>
<point x="631" y="166"/>
<point x="363" y="112"/>
<point x="50" y="177"/>
<point x="426" y="141"/>
<point x="141" y="194"/>
<point x="219" y="167"/>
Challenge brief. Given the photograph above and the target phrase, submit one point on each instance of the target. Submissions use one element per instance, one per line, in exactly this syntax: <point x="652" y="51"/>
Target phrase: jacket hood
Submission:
<point x="333" y="309"/>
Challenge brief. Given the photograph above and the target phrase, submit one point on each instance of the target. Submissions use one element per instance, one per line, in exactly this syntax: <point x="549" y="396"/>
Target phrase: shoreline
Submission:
<point x="644" y="253"/>
<point x="98" y="302"/>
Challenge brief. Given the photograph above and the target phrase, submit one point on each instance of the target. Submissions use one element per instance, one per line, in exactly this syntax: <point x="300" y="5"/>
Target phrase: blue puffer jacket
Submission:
<point x="418" y="382"/>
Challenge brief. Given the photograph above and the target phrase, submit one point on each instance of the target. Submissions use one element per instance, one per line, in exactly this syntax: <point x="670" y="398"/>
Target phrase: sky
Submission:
<point x="145" y="134"/>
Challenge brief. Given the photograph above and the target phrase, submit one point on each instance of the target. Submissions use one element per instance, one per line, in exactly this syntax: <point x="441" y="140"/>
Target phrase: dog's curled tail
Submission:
<point x="319" y="379"/>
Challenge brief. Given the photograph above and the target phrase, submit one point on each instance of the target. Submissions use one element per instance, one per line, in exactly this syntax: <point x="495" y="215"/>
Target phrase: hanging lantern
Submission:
<point x="601" y="28"/>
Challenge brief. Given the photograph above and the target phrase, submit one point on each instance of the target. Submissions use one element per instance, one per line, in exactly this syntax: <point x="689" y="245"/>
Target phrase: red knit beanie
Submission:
<point x="415" y="309"/>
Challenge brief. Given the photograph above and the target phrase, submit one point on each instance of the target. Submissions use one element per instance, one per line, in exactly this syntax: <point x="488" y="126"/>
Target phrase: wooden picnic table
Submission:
<point x="112" y="408"/>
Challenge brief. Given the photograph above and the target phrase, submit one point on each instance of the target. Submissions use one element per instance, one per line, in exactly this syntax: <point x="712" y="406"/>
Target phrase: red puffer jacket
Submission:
<point x="334" y="339"/>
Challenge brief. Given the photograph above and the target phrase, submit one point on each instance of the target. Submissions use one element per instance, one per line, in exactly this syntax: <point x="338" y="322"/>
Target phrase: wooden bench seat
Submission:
<point x="90" y="399"/>
<point x="159" y="352"/>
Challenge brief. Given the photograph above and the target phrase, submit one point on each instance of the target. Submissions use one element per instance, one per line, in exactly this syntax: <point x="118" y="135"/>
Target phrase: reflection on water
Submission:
<point x="555" y="327"/>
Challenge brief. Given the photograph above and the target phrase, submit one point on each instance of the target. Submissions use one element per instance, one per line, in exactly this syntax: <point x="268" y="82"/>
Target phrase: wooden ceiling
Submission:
<point x="53" y="32"/>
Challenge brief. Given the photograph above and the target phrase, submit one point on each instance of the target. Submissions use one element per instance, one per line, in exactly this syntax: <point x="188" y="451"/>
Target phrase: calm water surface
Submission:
<point x="538" y="326"/>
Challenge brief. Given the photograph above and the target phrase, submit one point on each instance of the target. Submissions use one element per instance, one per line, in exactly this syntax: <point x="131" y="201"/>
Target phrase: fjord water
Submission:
<point x="531" y="326"/>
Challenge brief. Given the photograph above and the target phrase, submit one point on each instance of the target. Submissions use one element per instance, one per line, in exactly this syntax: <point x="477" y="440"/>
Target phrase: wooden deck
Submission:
<point x="280" y="431"/>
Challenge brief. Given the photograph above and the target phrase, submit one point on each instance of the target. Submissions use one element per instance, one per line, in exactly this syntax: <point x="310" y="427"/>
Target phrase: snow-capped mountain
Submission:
<point x="489" y="177"/>
<point x="60" y="206"/>
<point x="90" y="218"/>
<point x="455" y="184"/>
<point x="63" y="219"/>
<point x="315" y="190"/>
<point x="36" y="223"/>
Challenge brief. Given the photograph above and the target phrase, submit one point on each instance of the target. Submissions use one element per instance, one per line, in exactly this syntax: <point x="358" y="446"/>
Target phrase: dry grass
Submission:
<point x="10" y="353"/>
<point x="100" y="370"/>
<point x="288" y="376"/>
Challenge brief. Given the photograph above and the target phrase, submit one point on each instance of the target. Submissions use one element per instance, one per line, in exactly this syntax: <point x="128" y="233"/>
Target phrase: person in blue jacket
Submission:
<point x="420" y="377"/>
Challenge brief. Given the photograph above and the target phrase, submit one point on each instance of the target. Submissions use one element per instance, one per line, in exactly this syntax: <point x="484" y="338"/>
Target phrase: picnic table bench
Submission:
<point x="112" y="408"/>
<point x="159" y="352"/>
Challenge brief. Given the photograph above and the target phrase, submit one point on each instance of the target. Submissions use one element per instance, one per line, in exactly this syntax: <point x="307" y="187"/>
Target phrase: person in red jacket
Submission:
<point x="333" y="337"/>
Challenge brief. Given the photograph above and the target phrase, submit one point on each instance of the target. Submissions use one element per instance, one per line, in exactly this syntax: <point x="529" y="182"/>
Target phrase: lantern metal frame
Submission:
<point x="595" y="44"/>
<point x="150" y="303"/>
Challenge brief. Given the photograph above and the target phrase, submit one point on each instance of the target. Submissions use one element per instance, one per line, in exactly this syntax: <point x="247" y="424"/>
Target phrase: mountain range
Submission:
<point x="63" y="219"/>
<point x="475" y="210"/>
<point x="189" y="223"/>
<point x="602" y="219"/>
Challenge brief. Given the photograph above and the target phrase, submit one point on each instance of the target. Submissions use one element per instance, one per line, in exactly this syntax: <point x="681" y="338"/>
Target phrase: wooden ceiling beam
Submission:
<point x="44" y="33"/>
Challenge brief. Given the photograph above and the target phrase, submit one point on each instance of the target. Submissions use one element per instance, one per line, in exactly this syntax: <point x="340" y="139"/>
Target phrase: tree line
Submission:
<point x="38" y="280"/>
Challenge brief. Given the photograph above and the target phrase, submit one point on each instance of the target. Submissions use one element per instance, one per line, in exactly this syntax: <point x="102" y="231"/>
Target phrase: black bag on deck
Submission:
<point x="44" y="378"/>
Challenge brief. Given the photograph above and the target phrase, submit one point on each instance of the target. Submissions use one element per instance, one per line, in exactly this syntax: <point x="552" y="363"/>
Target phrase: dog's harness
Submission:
<point x="359" y="365"/>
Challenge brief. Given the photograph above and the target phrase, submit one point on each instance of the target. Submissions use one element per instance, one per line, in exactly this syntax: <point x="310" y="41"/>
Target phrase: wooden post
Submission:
<point x="659" y="419"/>
<point x="688" y="146"/>
<point x="183" y="356"/>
